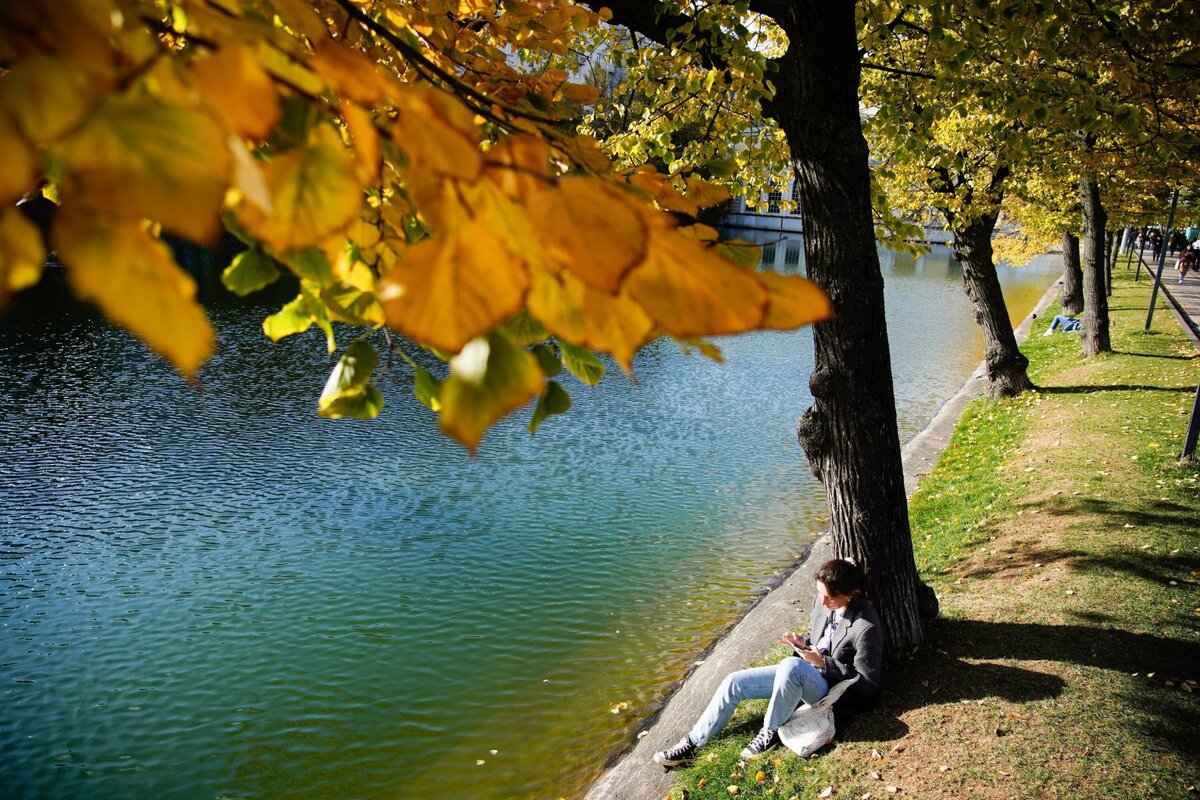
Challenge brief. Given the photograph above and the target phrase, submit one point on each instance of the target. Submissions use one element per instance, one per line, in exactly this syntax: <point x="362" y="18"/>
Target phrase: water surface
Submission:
<point x="213" y="594"/>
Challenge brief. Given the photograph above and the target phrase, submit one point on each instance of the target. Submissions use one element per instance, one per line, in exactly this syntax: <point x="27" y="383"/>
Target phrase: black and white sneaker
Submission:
<point x="682" y="753"/>
<point x="765" y="740"/>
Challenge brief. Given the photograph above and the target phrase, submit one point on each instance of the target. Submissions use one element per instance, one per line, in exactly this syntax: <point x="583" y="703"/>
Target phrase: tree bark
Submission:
<point x="1110" y="262"/>
<point x="1095" y="317"/>
<point x="1072" y="292"/>
<point x="1007" y="367"/>
<point x="849" y="434"/>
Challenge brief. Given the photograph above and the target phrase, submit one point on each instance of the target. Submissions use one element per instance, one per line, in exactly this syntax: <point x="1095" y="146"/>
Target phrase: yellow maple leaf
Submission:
<point x="365" y="140"/>
<point x="21" y="253"/>
<point x="591" y="228"/>
<point x="133" y="278"/>
<point x="238" y="90"/>
<point x="450" y="289"/>
<point x="135" y="158"/>
<point x="588" y="317"/>
<point x="488" y="379"/>
<point x="313" y="193"/>
<point x="689" y="290"/>
<point x="794" y="301"/>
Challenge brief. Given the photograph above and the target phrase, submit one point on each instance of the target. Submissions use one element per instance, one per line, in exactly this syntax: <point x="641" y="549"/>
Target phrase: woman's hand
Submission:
<point x="802" y="648"/>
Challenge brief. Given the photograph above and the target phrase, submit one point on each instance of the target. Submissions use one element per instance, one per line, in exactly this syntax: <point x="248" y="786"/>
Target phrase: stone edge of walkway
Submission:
<point x="634" y="775"/>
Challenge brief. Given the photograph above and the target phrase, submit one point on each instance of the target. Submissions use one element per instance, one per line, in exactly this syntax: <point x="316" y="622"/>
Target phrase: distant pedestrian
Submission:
<point x="1187" y="261"/>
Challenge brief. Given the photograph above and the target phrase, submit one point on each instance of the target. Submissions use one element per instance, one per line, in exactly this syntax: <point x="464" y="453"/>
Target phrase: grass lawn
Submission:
<point x="1063" y="539"/>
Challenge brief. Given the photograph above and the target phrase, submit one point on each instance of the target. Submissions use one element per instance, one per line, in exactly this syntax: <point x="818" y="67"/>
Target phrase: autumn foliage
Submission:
<point x="394" y="158"/>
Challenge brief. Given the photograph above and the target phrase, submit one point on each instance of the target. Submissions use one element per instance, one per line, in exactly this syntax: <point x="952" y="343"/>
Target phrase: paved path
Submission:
<point x="635" y="776"/>
<point x="1182" y="298"/>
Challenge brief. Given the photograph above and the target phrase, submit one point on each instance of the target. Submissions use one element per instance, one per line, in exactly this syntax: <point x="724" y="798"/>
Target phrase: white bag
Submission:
<point x="811" y="727"/>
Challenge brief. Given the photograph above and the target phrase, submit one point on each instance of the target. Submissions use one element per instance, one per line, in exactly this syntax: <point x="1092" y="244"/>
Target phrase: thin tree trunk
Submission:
<point x="1007" y="367"/>
<point x="1072" y="292"/>
<point x="849" y="434"/>
<point x="1095" y="317"/>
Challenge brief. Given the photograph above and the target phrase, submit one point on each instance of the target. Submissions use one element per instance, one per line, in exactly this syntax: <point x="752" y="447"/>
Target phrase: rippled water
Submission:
<point x="212" y="593"/>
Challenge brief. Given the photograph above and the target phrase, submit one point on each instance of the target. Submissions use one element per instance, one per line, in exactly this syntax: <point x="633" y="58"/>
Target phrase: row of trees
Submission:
<point x="446" y="170"/>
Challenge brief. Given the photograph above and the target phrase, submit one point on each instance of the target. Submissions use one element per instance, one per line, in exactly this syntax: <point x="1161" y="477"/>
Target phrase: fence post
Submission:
<point x="1193" y="433"/>
<point x="1162" y="257"/>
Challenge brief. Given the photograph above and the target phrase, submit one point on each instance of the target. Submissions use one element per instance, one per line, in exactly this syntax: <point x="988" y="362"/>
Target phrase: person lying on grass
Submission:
<point x="844" y="640"/>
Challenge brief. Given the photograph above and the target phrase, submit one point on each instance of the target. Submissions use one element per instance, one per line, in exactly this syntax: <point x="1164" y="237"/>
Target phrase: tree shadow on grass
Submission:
<point x="1156" y="355"/>
<point x="938" y="679"/>
<point x="1113" y="387"/>
<point x="1167" y="716"/>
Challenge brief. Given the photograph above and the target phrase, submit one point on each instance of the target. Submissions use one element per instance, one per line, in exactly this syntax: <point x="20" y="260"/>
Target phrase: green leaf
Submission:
<point x="554" y="400"/>
<point x="548" y="360"/>
<point x="739" y="251"/>
<point x="347" y="393"/>
<point x="721" y="167"/>
<point x="292" y="318"/>
<point x="488" y="379"/>
<point x="311" y="264"/>
<point x="428" y="389"/>
<point x="524" y="330"/>
<point x="581" y="363"/>
<point x="249" y="271"/>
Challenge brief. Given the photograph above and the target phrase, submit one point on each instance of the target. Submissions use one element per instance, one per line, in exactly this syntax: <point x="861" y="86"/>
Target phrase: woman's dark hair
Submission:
<point x="842" y="577"/>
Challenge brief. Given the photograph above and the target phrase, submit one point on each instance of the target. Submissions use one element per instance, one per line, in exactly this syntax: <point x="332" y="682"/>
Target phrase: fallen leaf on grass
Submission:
<point x="734" y="789"/>
<point x="877" y="776"/>
<point x="828" y="792"/>
<point x="893" y="789"/>
<point x="700" y="784"/>
<point x="875" y="754"/>
<point x="760" y="777"/>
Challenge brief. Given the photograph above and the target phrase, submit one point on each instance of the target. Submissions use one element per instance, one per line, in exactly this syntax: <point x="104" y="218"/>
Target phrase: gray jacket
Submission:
<point x="856" y="649"/>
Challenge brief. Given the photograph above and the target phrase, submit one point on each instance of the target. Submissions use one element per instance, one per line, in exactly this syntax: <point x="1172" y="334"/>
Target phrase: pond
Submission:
<point x="209" y="593"/>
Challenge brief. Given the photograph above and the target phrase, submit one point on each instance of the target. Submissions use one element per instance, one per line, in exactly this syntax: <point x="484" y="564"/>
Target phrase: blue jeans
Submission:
<point x="1066" y="323"/>
<point x="787" y="684"/>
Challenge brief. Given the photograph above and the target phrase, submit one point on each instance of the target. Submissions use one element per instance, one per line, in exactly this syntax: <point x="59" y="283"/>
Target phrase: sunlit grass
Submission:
<point x="1063" y="538"/>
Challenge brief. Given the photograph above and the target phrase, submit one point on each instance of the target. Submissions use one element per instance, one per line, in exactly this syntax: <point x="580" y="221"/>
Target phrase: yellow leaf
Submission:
<point x="588" y="317"/>
<point x="705" y="194"/>
<point x="691" y="291"/>
<point x="449" y="290"/>
<point x="590" y="228"/>
<point x="348" y="71"/>
<point x="438" y="134"/>
<point x="301" y="17"/>
<point x="238" y="90"/>
<point x="584" y="93"/>
<point x="132" y="277"/>
<point x="488" y="379"/>
<point x="77" y="29"/>
<point x="47" y="96"/>
<point x="519" y="165"/>
<point x="587" y="153"/>
<point x="135" y="158"/>
<point x="313" y="193"/>
<point x="365" y="141"/>
<point x="22" y="253"/>
<point x="20" y="169"/>
<point x="794" y="301"/>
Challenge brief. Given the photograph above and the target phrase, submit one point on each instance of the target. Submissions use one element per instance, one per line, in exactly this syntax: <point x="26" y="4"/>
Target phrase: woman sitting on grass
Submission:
<point x="844" y="640"/>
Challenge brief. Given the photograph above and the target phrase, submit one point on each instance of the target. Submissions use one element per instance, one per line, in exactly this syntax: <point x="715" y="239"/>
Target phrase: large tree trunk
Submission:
<point x="1072" y="292"/>
<point x="1095" y="298"/>
<point x="849" y="434"/>
<point x="1006" y="365"/>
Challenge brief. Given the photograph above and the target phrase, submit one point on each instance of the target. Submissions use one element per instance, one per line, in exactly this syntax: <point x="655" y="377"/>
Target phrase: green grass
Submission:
<point x="1063" y="538"/>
